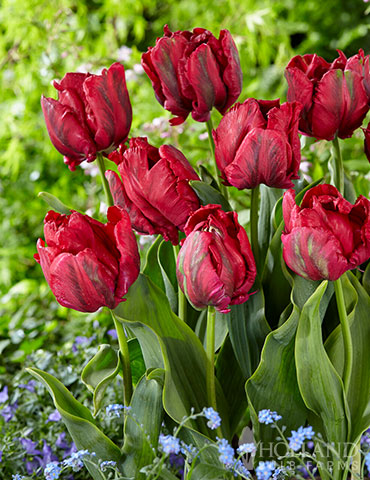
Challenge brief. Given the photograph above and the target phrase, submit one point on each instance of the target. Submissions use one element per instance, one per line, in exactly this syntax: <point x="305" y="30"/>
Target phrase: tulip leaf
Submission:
<point x="137" y="363"/>
<point x="221" y="329"/>
<point x="358" y="308"/>
<point x="184" y="357"/>
<point x="209" y="195"/>
<point x="206" y="471"/>
<point x="248" y="329"/>
<point x="366" y="279"/>
<point x="151" y="267"/>
<point x="319" y="383"/>
<point x="143" y="424"/>
<point x="232" y="382"/>
<point x="101" y="370"/>
<point x="274" y="384"/>
<point x="268" y="198"/>
<point x="167" y="265"/>
<point x="79" y="422"/>
<point x="55" y="203"/>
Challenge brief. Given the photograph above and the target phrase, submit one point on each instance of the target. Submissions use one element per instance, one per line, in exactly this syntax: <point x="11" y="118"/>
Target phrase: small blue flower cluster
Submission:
<point x="53" y="469"/>
<point x="246" y="448"/>
<point x="17" y="477"/>
<point x="264" y="470"/>
<point x="267" y="416"/>
<point x="107" y="464"/>
<point x="226" y="451"/>
<point x="169" y="444"/>
<point x="213" y="417"/>
<point x="299" y="436"/>
<point x="115" y="409"/>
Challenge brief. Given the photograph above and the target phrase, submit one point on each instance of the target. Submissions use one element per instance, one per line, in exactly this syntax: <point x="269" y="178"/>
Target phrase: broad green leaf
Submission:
<point x="143" y="424"/>
<point x="167" y="265"/>
<point x="248" y="329"/>
<point x="206" y="471"/>
<point x="79" y="422"/>
<point x="149" y="344"/>
<point x="274" y="384"/>
<point x="101" y="370"/>
<point x="183" y="355"/>
<point x="137" y="363"/>
<point x="232" y="382"/>
<point x="151" y="267"/>
<point x="358" y="397"/>
<point x="220" y="328"/>
<point x="55" y="203"/>
<point x="319" y="383"/>
<point x="208" y="194"/>
<point x="366" y="279"/>
<point x="268" y="198"/>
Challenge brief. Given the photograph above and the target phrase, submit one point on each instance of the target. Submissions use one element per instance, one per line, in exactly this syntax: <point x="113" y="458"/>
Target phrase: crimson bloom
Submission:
<point x="88" y="264"/>
<point x="194" y="72"/>
<point x="334" y="95"/>
<point x="155" y="188"/>
<point x="326" y="235"/>
<point x="92" y="114"/>
<point x="215" y="265"/>
<point x="257" y="142"/>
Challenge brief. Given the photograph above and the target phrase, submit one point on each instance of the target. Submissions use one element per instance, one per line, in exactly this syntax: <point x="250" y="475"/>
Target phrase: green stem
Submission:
<point x="346" y="333"/>
<point x="254" y="223"/>
<point x="101" y="165"/>
<point x="337" y="166"/>
<point x="210" y="350"/>
<point x="125" y="359"/>
<point x="181" y="300"/>
<point x="221" y="187"/>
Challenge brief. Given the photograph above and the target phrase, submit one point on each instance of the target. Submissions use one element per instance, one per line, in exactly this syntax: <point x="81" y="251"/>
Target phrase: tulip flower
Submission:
<point x="92" y="114"/>
<point x="257" y="142"/>
<point x="215" y="265"/>
<point x="334" y="95"/>
<point x="88" y="264"/>
<point x="155" y="188"/>
<point x="326" y="235"/>
<point x="194" y="72"/>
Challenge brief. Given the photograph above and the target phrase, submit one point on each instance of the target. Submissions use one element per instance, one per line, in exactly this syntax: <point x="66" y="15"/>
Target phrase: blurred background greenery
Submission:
<point x="42" y="40"/>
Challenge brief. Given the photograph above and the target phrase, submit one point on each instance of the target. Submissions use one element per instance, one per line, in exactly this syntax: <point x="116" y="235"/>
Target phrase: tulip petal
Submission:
<point x="300" y="89"/>
<point x="108" y="98"/>
<point x="66" y="133"/>
<point x="233" y="128"/>
<point x="313" y="254"/>
<point x="232" y="74"/>
<point x="263" y="157"/>
<point x="129" y="262"/>
<point x="138" y="220"/>
<point x="203" y="73"/>
<point x="81" y="282"/>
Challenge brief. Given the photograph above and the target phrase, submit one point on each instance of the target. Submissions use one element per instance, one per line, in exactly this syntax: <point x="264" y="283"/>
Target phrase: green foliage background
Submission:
<point x="41" y="41"/>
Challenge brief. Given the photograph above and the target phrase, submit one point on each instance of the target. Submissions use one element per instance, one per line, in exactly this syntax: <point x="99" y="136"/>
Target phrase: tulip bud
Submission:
<point x="333" y="95"/>
<point x="92" y="114"/>
<point x="215" y="265"/>
<point x="88" y="264"/>
<point x="326" y="235"/>
<point x="194" y="72"/>
<point x="257" y="142"/>
<point x="155" y="188"/>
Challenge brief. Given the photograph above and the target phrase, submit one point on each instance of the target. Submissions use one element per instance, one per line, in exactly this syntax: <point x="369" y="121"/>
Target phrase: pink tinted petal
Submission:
<point x="286" y="118"/>
<point x="356" y="104"/>
<point x="300" y="89"/>
<point x="138" y="220"/>
<point x="179" y="163"/>
<point x="232" y="75"/>
<point x="203" y="73"/>
<point x="314" y="254"/>
<point x="66" y="133"/>
<point x="44" y="257"/>
<point x="290" y="209"/>
<point x="81" y="282"/>
<point x="233" y="127"/>
<point x="108" y="98"/>
<point x="263" y="157"/>
<point x="165" y="58"/>
<point x="129" y="261"/>
<point x="329" y="105"/>
<point x="73" y="81"/>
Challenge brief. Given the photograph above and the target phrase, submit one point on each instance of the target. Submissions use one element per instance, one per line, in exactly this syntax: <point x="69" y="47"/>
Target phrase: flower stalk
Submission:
<point x="101" y="165"/>
<point x="125" y="359"/>
<point x="221" y="187"/>
<point x="337" y="172"/>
